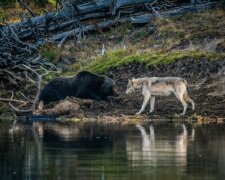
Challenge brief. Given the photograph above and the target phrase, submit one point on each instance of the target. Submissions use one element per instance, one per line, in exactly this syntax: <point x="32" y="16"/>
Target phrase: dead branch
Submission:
<point x="19" y="110"/>
<point x="39" y="79"/>
<point x="34" y="102"/>
<point x="12" y="100"/>
<point x="16" y="109"/>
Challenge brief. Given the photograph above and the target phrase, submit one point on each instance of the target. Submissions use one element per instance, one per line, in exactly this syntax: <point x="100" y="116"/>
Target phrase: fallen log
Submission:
<point x="62" y="37"/>
<point x="136" y="19"/>
<point x="146" y="18"/>
<point x="74" y="14"/>
<point x="86" y="8"/>
<point x="124" y="3"/>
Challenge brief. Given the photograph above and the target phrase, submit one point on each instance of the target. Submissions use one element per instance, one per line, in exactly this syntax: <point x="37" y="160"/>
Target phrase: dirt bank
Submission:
<point x="206" y="81"/>
<point x="206" y="87"/>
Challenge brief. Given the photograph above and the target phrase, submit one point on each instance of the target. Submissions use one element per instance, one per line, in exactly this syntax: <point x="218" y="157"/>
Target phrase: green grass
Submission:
<point x="149" y="59"/>
<point x="51" y="52"/>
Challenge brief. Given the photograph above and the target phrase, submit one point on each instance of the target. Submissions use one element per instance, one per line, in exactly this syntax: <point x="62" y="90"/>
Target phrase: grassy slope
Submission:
<point x="149" y="59"/>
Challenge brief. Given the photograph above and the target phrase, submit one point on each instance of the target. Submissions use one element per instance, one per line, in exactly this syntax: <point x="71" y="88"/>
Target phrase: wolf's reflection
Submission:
<point x="151" y="151"/>
<point x="147" y="142"/>
<point x="145" y="150"/>
<point x="181" y="147"/>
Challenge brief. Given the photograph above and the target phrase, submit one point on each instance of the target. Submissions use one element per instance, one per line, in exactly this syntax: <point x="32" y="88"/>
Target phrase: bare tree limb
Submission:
<point x="12" y="100"/>
<point x="39" y="79"/>
<point x="34" y="102"/>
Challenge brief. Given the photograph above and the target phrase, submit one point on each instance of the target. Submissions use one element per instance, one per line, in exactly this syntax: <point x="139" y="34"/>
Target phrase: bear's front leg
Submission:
<point x="94" y="96"/>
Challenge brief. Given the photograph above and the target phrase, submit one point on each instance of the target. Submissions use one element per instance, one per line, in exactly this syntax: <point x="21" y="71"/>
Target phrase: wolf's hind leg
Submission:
<point x="188" y="99"/>
<point x="152" y="104"/>
<point x="192" y="103"/>
<point x="146" y="99"/>
<point x="181" y="99"/>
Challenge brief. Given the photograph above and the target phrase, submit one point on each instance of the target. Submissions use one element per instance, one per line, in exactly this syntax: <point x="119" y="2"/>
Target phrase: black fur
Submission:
<point x="84" y="85"/>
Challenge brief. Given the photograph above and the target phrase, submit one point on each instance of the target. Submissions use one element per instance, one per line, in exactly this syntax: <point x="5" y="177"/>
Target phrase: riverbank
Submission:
<point x="205" y="86"/>
<point x="166" y="47"/>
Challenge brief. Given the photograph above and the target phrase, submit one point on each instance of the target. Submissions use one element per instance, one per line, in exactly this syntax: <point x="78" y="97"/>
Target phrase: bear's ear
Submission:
<point x="40" y="105"/>
<point x="111" y="76"/>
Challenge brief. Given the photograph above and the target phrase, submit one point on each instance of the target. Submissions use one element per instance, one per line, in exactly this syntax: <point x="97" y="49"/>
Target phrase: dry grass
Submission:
<point x="180" y="32"/>
<point x="12" y="14"/>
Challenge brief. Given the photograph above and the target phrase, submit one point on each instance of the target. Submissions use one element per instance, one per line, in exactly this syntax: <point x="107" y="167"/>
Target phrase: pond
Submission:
<point x="156" y="150"/>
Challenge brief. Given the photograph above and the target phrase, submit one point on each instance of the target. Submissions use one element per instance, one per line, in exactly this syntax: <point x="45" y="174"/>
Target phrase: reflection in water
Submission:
<point x="94" y="151"/>
<point x="152" y="151"/>
<point x="181" y="147"/>
<point x="33" y="151"/>
<point x="144" y="151"/>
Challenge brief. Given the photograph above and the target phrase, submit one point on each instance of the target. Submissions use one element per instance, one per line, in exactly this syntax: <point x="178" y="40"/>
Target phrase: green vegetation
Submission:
<point x="51" y="52"/>
<point x="149" y="59"/>
<point x="3" y="108"/>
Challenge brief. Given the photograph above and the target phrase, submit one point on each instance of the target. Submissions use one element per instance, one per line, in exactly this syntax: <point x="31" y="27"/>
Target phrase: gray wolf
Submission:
<point x="84" y="85"/>
<point x="160" y="86"/>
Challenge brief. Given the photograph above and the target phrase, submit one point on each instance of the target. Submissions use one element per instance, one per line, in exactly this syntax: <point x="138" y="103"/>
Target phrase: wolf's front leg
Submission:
<point x="152" y="104"/>
<point x="146" y="99"/>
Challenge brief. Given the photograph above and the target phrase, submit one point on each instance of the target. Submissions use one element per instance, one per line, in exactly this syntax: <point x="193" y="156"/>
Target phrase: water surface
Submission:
<point x="94" y="151"/>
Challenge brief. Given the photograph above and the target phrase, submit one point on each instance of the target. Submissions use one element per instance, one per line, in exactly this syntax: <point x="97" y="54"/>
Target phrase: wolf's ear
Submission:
<point x="40" y="105"/>
<point x="133" y="78"/>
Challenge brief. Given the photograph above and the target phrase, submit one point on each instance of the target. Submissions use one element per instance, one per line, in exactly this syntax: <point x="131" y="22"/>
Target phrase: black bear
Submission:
<point x="84" y="85"/>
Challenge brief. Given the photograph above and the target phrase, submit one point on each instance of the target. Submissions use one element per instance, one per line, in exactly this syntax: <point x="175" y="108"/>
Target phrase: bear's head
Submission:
<point x="109" y="88"/>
